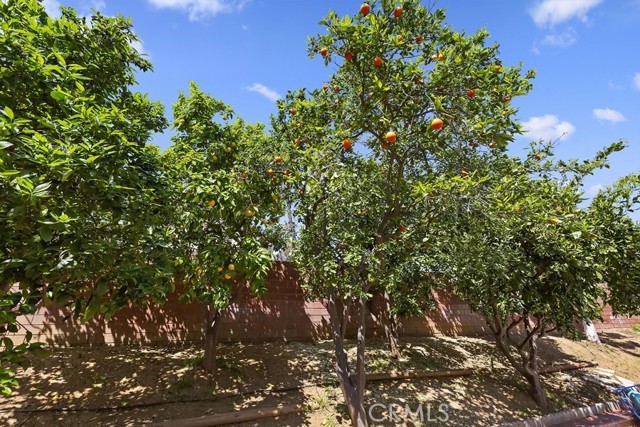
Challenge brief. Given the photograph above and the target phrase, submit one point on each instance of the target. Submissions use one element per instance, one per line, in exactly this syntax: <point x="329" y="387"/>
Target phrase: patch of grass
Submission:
<point x="636" y="328"/>
<point x="322" y="400"/>
<point x="194" y="361"/>
<point x="230" y="365"/>
<point x="185" y="382"/>
<point x="330" y="421"/>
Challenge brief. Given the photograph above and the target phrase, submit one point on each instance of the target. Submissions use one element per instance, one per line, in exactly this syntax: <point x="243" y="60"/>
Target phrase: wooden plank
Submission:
<point x="395" y="375"/>
<point x="238" y="416"/>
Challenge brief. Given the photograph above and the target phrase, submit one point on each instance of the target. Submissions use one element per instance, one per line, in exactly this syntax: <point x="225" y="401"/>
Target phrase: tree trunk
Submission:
<point x="345" y="308"/>
<point x="352" y="386"/>
<point x="591" y="332"/>
<point x="391" y="327"/>
<point x="527" y="364"/>
<point x="537" y="390"/>
<point x="211" y="327"/>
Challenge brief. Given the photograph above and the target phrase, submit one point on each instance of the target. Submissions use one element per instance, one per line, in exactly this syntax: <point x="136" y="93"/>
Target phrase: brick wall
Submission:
<point x="280" y="314"/>
<point x="615" y="322"/>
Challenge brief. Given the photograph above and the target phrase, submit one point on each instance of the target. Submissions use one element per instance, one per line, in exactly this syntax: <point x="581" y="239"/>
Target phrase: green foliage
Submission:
<point x="362" y="229"/>
<point x="226" y="204"/>
<point x="618" y="250"/>
<point x="523" y="246"/>
<point x="81" y="202"/>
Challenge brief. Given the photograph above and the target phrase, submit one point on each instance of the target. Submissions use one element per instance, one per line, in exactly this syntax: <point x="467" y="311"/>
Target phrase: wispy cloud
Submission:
<point x="563" y="40"/>
<point x="199" y="9"/>
<point x="594" y="190"/>
<point x="613" y="85"/>
<point x="548" y="127"/>
<point x="636" y="81"/>
<point x="53" y="8"/>
<point x="547" y="13"/>
<point x="608" y="115"/>
<point x="263" y="90"/>
<point x="139" y="46"/>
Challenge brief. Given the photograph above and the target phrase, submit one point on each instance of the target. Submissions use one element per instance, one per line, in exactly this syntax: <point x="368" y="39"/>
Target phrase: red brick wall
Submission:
<point x="615" y="322"/>
<point x="280" y="314"/>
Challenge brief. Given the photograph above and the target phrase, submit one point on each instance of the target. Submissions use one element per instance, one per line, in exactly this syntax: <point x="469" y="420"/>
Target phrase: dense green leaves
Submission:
<point x="81" y="200"/>
<point x="227" y="207"/>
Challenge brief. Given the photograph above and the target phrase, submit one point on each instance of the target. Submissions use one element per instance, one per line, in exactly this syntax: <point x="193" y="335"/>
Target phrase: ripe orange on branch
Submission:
<point x="391" y="136"/>
<point x="436" y="124"/>
<point x="365" y="9"/>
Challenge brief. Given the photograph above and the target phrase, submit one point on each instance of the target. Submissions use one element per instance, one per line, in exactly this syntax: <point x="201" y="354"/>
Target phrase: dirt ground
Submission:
<point x="94" y="380"/>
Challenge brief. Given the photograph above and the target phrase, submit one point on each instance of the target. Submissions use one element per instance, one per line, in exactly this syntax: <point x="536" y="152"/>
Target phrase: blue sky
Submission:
<point x="249" y="52"/>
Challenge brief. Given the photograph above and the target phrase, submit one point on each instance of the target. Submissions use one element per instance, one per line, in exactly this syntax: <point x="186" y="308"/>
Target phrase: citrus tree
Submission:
<point x="411" y="100"/>
<point x="619" y="246"/>
<point x="524" y="254"/>
<point x="226" y="200"/>
<point x="81" y="212"/>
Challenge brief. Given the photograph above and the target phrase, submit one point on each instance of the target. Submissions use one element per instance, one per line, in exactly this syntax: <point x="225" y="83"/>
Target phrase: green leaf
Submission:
<point x="9" y="112"/>
<point x="5" y="145"/>
<point x="58" y="95"/>
<point x="41" y="190"/>
<point x="46" y="233"/>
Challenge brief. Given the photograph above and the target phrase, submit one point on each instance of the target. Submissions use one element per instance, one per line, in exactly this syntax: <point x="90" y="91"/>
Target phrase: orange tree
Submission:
<point x="225" y="196"/>
<point x="411" y="100"/>
<point x="525" y="255"/>
<point x="619" y="244"/>
<point x="81" y="213"/>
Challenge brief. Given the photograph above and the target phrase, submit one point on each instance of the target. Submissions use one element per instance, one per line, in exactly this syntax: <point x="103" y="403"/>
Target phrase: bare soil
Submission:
<point x="110" y="386"/>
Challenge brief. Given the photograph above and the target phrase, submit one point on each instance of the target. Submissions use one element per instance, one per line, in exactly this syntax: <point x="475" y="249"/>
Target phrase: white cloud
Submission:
<point x="201" y="8"/>
<point x="608" y="115"/>
<point x="270" y="94"/>
<point x="613" y="85"/>
<point x="548" y="127"/>
<point x="53" y="8"/>
<point x="551" y="12"/>
<point x="594" y="190"/>
<point x="563" y="40"/>
<point x="139" y="46"/>
<point x="636" y="81"/>
<point x="98" y="5"/>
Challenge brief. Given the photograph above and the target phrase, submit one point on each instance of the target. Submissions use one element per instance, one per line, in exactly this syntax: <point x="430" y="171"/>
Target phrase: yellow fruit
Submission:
<point x="231" y="267"/>
<point x="226" y="276"/>
<point x="220" y="269"/>
<point x="211" y="203"/>
<point x="249" y="213"/>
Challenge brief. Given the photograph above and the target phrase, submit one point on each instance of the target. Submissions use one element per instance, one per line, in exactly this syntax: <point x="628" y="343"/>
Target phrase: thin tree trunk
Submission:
<point x="591" y="332"/>
<point x="527" y="366"/>
<point x="391" y="327"/>
<point x="535" y="383"/>
<point x="211" y="328"/>
<point x="536" y="388"/>
<point x="349" y="384"/>
<point x="346" y="308"/>
<point x="360" y="362"/>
